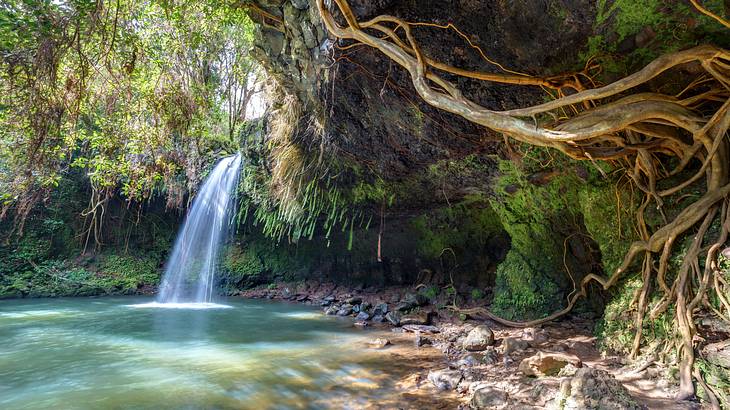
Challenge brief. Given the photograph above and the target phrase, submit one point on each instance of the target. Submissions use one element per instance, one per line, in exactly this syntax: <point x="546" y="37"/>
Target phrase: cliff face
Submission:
<point x="369" y="109"/>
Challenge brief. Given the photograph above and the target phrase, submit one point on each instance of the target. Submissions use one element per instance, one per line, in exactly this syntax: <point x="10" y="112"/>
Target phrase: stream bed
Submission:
<point x="93" y="353"/>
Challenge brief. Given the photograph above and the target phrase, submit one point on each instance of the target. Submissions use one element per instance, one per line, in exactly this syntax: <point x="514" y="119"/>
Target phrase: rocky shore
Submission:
<point x="486" y="365"/>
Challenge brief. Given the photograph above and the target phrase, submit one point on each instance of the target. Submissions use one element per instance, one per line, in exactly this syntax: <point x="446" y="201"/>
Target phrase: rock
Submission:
<point x="511" y="345"/>
<point x="362" y="316"/>
<point x="379" y="343"/>
<point x="534" y="337"/>
<point x="490" y="355"/>
<point x="421" y="328"/>
<point x="356" y="308"/>
<point x="468" y="360"/>
<point x="378" y="319"/>
<point x="487" y="397"/>
<point x="330" y="298"/>
<point x="344" y="310"/>
<point x="718" y="353"/>
<point x="547" y="364"/>
<point x="479" y="338"/>
<point x="393" y="318"/>
<point x="594" y="389"/>
<point x="365" y="306"/>
<point x="361" y="323"/>
<point x="421" y="340"/>
<point x="300" y="4"/>
<point x="355" y="300"/>
<point x="420" y="318"/>
<point x="412" y="300"/>
<point x="332" y="310"/>
<point x="380" y="309"/>
<point x="325" y="302"/>
<point x="445" y="379"/>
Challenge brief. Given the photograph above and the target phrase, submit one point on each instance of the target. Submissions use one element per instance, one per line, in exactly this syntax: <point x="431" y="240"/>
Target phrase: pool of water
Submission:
<point x="107" y="353"/>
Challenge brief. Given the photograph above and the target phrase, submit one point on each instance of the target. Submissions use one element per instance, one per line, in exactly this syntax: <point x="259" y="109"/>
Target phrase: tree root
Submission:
<point x="608" y="123"/>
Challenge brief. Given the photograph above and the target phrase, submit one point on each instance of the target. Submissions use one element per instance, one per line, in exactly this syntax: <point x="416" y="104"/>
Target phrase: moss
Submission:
<point x="468" y="224"/>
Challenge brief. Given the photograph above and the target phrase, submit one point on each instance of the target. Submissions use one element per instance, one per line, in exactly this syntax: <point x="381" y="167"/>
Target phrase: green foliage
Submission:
<point x="431" y="292"/>
<point x="477" y="294"/>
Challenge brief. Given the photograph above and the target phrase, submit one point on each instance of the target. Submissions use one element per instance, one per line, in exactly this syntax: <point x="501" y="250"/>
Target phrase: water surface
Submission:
<point x="93" y="353"/>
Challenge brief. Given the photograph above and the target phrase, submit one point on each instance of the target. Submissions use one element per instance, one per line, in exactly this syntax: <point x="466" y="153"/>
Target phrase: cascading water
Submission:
<point x="190" y="271"/>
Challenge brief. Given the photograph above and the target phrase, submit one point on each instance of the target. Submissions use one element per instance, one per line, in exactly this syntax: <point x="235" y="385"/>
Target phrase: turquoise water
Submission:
<point x="102" y="353"/>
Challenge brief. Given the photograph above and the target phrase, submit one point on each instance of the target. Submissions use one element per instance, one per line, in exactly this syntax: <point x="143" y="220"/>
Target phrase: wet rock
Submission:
<point x="420" y="318"/>
<point x="361" y="323"/>
<point x="362" y="316"/>
<point x="718" y="353"/>
<point x="378" y="319"/>
<point x="325" y="303"/>
<point x="479" y="338"/>
<point x="393" y="318"/>
<point x="487" y="397"/>
<point x="593" y="389"/>
<point x="511" y="345"/>
<point x="421" y="340"/>
<point x="547" y="364"/>
<point x="330" y="298"/>
<point x="445" y="379"/>
<point x="332" y="310"/>
<point x="365" y="306"/>
<point x="344" y="310"/>
<point x="300" y="4"/>
<point x="379" y="343"/>
<point x="380" y="309"/>
<point x="354" y="300"/>
<point x="356" y="308"/>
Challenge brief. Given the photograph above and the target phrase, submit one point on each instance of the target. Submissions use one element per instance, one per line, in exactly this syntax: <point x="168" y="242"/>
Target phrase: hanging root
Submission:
<point x="608" y="123"/>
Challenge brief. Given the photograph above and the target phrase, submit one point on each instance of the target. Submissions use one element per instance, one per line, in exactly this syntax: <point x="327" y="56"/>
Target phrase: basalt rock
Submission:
<point x="547" y="364"/>
<point x="479" y="338"/>
<point x="593" y="389"/>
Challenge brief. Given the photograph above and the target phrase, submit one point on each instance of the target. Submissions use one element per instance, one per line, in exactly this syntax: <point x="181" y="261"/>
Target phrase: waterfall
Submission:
<point x="190" y="271"/>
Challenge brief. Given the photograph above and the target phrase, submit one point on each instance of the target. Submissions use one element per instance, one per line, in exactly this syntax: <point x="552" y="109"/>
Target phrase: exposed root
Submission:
<point x="608" y="123"/>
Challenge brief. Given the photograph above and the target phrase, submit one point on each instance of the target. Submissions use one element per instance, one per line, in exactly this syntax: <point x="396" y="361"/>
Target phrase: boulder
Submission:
<point x="445" y="379"/>
<point x="332" y="310"/>
<point x="547" y="364"/>
<point x="380" y="309"/>
<point x="412" y="300"/>
<point x="344" y="310"/>
<point x="378" y="318"/>
<point x="511" y="345"/>
<point x="487" y="397"/>
<point x="354" y="300"/>
<point x="593" y="389"/>
<point x="718" y="353"/>
<point x="420" y="318"/>
<point x="468" y="360"/>
<point x="362" y="316"/>
<point x="393" y="318"/>
<point x="479" y="338"/>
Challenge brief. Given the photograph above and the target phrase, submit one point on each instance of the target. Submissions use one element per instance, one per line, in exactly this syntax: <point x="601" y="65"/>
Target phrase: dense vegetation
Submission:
<point x="605" y="184"/>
